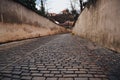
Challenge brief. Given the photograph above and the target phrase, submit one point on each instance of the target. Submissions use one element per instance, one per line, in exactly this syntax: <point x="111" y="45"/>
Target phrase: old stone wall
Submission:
<point x="18" y="22"/>
<point x="101" y="23"/>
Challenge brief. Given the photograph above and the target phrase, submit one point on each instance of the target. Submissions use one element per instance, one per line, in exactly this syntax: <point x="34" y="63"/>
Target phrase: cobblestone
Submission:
<point x="81" y="78"/>
<point x="60" y="57"/>
<point x="36" y="74"/>
<point x="26" y="78"/>
<point x="70" y="75"/>
<point x="95" y="79"/>
<point x="25" y="74"/>
<point x="81" y="72"/>
<point x="49" y="75"/>
<point x="85" y="75"/>
<point x="38" y="78"/>
<point x="65" y="79"/>
<point x="51" y="79"/>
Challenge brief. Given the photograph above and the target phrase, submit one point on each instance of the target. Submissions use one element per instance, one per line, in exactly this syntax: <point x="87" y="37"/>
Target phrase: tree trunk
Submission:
<point x="81" y="5"/>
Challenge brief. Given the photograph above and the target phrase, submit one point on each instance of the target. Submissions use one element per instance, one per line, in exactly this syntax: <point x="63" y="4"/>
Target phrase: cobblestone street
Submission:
<point x="58" y="57"/>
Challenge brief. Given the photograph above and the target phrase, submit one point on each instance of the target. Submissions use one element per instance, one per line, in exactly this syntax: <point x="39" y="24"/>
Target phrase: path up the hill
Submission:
<point x="58" y="57"/>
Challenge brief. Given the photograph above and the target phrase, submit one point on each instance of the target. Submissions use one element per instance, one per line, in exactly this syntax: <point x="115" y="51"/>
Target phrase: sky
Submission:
<point x="56" y="6"/>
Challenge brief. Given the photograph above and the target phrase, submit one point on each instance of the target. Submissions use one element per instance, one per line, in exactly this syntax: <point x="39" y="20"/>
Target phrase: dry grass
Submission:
<point x="11" y="32"/>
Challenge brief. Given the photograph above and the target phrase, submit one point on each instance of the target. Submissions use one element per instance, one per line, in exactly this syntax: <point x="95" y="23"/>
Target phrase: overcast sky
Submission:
<point x="56" y="6"/>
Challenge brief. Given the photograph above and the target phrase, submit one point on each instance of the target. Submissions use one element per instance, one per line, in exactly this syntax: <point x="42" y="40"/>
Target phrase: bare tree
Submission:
<point x="81" y="5"/>
<point x="42" y="8"/>
<point x="72" y="6"/>
<point x="77" y="3"/>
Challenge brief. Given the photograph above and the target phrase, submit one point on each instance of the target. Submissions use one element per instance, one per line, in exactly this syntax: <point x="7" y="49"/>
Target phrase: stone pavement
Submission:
<point x="58" y="57"/>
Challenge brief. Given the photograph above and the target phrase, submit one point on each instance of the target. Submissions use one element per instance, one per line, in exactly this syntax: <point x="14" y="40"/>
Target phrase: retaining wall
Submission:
<point x="18" y="22"/>
<point x="101" y="23"/>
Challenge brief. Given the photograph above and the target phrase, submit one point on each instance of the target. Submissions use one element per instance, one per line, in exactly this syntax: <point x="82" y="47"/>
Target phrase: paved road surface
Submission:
<point x="58" y="57"/>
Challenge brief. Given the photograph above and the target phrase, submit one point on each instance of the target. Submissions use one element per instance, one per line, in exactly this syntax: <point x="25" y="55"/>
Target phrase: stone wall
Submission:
<point x="18" y="22"/>
<point x="101" y="23"/>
